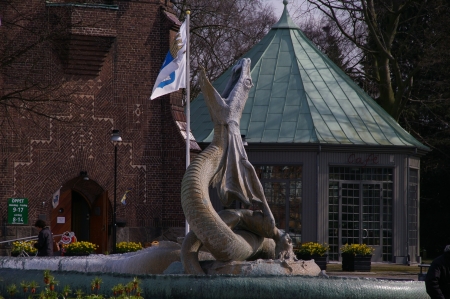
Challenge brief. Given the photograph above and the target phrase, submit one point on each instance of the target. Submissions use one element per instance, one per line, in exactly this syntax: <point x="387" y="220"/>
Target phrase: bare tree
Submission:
<point x="221" y="32"/>
<point x="324" y="33"/>
<point x="381" y="30"/>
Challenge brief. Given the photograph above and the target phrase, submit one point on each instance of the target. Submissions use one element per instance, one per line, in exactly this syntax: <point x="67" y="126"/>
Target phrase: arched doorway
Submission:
<point x="80" y="216"/>
<point x="85" y="209"/>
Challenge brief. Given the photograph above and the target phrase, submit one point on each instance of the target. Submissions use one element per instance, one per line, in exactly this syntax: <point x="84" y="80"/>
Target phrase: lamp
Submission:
<point x="84" y="175"/>
<point x="115" y="138"/>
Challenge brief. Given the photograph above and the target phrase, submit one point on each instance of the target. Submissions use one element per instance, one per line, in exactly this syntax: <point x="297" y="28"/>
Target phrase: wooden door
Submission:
<point x="99" y="222"/>
<point x="63" y="212"/>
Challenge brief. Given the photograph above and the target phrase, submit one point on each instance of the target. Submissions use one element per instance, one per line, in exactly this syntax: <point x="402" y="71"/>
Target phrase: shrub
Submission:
<point x="123" y="247"/>
<point x="312" y="248"/>
<point x="360" y="249"/>
<point x="26" y="246"/>
<point x="80" y="248"/>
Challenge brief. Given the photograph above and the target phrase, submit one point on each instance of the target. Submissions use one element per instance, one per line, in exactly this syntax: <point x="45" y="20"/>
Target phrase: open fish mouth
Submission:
<point x="238" y="74"/>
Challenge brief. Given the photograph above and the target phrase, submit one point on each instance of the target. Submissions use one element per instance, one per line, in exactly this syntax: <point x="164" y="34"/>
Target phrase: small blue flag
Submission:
<point x="124" y="197"/>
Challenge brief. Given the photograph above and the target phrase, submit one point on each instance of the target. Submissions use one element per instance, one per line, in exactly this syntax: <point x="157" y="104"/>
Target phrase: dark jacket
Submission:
<point x="44" y="244"/>
<point x="437" y="280"/>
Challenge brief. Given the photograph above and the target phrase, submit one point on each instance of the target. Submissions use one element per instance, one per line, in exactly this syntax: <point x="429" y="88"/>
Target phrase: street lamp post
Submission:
<point x="115" y="138"/>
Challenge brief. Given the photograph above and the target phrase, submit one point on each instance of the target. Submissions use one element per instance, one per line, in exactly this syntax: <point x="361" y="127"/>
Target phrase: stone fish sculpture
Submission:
<point x="232" y="234"/>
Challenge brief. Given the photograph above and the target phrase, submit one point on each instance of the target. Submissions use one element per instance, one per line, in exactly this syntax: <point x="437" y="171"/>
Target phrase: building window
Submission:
<point x="360" y="209"/>
<point x="413" y="199"/>
<point x="282" y="186"/>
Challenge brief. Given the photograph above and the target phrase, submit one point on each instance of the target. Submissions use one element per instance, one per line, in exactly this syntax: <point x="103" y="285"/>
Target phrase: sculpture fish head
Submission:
<point x="227" y="108"/>
<point x="240" y="81"/>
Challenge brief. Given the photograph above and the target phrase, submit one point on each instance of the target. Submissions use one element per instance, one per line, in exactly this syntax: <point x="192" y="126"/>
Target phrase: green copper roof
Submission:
<point x="301" y="96"/>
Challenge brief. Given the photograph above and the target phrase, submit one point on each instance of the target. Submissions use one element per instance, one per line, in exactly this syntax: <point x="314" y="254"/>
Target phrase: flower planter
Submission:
<point x="320" y="260"/>
<point x="359" y="263"/>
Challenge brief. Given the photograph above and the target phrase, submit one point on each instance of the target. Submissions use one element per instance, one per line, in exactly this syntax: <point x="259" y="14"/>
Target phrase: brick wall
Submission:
<point x="38" y="155"/>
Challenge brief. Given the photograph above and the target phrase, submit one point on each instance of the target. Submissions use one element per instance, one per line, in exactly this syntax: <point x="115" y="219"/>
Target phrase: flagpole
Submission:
<point x="188" y="99"/>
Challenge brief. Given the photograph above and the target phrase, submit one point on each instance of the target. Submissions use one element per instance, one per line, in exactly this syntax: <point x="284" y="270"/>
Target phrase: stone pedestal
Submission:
<point x="265" y="267"/>
<point x="321" y="260"/>
<point x="253" y="268"/>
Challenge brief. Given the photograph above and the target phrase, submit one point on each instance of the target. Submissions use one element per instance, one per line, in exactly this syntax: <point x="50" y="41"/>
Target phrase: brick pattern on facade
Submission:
<point x="38" y="156"/>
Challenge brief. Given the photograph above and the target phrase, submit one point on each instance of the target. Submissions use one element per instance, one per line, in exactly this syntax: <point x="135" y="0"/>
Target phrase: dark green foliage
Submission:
<point x="427" y="116"/>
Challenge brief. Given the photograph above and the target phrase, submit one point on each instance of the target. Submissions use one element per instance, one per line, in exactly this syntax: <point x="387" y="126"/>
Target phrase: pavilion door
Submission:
<point x="99" y="222"/>
<point x="361" y="217"/>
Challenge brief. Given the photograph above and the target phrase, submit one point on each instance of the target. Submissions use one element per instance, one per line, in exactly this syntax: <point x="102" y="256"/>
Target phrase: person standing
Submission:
<point x="437" y="281"/>
<point x="44" y="245"/>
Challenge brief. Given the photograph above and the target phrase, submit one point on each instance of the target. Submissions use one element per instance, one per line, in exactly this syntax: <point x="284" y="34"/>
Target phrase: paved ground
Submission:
<point x="379" y="271"/>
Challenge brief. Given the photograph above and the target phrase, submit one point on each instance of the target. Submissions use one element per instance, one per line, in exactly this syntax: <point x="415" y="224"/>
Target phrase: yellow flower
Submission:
<point x="360" y="249"/>
<point x="123" y="247"/>
<point x="27" y="246"/>
<point x="81" y="247"/>
<point x="312" y="248"/>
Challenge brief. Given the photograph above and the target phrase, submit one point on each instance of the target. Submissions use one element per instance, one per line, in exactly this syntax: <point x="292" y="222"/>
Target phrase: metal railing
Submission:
<point x="32" y="238"/>
<point x="25" y="239"/>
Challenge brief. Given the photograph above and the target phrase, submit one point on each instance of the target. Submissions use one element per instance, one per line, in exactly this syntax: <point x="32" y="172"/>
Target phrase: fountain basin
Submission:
<point x="227" y="286"/>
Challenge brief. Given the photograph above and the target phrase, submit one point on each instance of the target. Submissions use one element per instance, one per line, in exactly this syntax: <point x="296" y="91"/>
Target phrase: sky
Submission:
<point x="295" y="7"/>
<point x="278" y="5"/>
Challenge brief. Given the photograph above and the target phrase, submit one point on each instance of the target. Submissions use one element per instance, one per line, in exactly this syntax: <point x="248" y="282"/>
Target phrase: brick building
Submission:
<point x="98" y="61"/>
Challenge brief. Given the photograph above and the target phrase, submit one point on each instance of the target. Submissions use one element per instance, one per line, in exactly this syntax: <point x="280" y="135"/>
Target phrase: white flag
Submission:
<point x="172" y="75"/>
<point x="55" y="198"/>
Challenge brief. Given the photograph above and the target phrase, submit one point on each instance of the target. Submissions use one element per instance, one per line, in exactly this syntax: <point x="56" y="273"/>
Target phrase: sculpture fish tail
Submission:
<point x="204" y="222"/>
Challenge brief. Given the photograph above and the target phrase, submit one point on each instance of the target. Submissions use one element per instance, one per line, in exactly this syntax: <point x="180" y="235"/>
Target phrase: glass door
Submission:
<point x="360" y="221"/>
<point x="350" y="231"/>
<point x="371" y="218"/>
<point x="360" y="210"/>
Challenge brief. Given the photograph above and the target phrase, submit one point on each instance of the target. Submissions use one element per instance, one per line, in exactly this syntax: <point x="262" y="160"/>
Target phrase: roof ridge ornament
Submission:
<point x="285" y="21"/>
